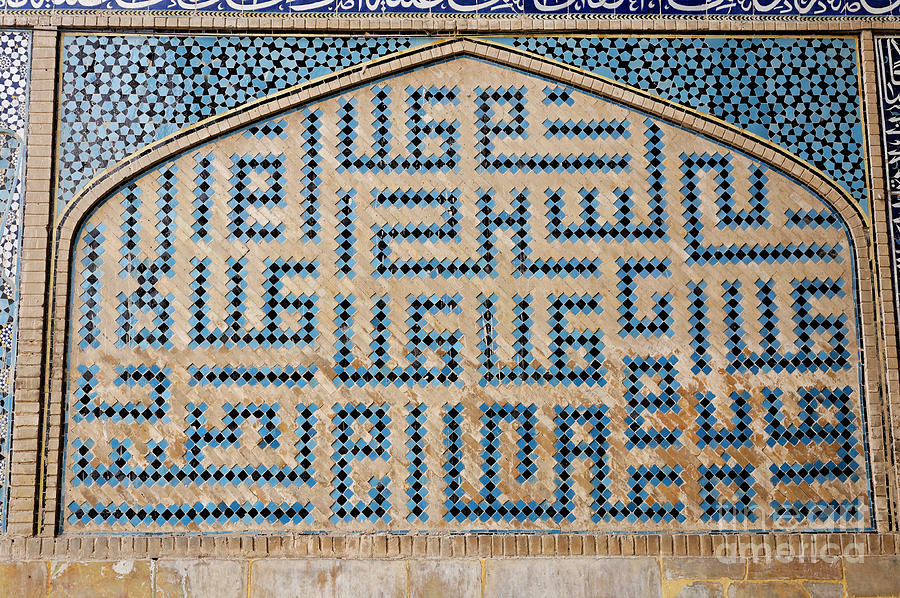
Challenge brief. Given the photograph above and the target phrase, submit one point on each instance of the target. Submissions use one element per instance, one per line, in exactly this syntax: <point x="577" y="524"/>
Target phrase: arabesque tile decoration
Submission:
<point x="888" y="49"/>
<point x="14" y="74"/>
<point x="576" y="8"/>
<point x="461" y="298"/>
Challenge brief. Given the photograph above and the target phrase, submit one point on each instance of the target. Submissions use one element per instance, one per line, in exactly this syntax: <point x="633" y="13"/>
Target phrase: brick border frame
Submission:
<point x="887" y="431"/>
<point x="27" y="449"/>
<point x="471" y="544"/>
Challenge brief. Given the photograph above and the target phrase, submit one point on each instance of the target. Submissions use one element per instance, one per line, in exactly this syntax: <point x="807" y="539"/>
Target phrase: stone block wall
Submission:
<point x="636" y="577"/>
<point x="426" y="305"/>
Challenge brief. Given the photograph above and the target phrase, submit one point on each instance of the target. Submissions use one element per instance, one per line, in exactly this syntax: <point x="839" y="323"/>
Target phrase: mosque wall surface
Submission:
<point x="423" y="302"/>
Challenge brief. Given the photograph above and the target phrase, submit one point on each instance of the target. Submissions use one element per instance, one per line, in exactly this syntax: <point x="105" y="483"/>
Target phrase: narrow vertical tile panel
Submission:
<point x="15" y="49"/>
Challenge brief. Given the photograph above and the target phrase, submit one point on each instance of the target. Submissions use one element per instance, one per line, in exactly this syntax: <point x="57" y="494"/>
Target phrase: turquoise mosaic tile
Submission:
<point x="320" y="323"/>
<point x="801" y="93"/>
<point x="120" y="93"/>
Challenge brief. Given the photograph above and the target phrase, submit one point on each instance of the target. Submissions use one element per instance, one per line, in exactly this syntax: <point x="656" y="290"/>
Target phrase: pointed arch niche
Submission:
<point x="698" y="306"/>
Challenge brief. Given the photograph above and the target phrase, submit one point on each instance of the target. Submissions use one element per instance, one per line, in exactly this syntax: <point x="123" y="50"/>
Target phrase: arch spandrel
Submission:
<point x="463" y="297"/>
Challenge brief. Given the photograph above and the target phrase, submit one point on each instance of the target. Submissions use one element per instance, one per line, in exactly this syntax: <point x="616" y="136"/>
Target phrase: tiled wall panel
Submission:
<point x="465" y="297"/>
<point x="474" y="295"/>
<point x="120" y="93"/>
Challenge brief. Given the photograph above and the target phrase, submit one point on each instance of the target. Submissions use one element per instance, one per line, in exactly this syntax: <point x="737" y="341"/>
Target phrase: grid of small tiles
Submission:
<point x="120" y="93"/>
<point x="15" y="51"/>
<point x="464" y="298"/>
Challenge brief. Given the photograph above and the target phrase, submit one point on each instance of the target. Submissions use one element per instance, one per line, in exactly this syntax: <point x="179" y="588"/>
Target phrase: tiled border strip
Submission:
<point x="883" y="429"/>
<point x="26" y="448"/>
<point x="189" y="137"/>
<point x="449" y="24"/>
<point x="385" y="546"/>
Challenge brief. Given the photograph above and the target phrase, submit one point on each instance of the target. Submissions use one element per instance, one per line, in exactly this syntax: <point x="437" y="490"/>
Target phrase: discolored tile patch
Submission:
<point x="444" y="578"/>
<point x="120" y="579"/>
<point x="580" y="578"/>
<point x="26" y="579"/>
<point x="315" y="578"/>
<point x="201" y="578"/>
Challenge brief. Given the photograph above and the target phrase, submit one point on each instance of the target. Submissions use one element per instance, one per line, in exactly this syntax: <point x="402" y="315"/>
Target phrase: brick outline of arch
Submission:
<point x="143" y="161"/>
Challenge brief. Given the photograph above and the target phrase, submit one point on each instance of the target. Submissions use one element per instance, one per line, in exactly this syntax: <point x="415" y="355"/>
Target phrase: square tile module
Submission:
<point x="464" y="297"/>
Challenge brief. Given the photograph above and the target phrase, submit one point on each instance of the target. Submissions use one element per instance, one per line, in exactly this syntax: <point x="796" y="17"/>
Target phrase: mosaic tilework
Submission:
<point x="811" y="108"/>
<point x="120" y="93"/>
<point x="15" y="51"/>
<point x="802" y="94"/>
<point x="797" y="8"/>
<point x="349" y="318"/>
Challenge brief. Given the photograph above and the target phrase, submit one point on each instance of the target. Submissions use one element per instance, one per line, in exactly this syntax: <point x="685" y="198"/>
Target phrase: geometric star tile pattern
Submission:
<point x="15" y="64"/>
<point x="463" y="297"/>
<point x="120" y="93"/>
<point x="800" y="93"/>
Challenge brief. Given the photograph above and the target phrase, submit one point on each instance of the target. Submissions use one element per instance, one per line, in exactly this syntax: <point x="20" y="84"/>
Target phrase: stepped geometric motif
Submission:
<point x="464" y="298"/>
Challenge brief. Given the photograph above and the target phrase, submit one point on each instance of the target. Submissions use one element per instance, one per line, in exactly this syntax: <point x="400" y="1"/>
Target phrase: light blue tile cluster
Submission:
<point x="800" y="93"/>
<point x="120" y="93"/>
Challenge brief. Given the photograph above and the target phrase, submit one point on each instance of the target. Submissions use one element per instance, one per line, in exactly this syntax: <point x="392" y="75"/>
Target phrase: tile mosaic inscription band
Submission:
<point x="641" y="8"/>
<point x="464" y="298"/>
<point x="888" y="52"/>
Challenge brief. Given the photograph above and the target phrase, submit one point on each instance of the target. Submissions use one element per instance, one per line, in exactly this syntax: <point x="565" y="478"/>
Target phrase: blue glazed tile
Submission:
<point x="872" y="7"/>
<point x="810" y="106"/>
<point x="797" y="8"/>
<point x="121" y="92"/>
<point x="395" y="376"/>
